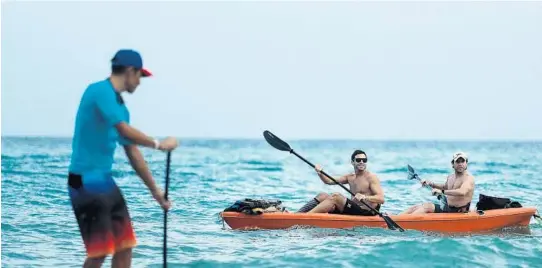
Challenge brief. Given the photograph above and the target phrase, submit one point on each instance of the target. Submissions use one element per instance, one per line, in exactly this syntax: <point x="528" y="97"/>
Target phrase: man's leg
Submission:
<point x="425" y="208"/>
<point x="335" y="202"/>
<point x="122" y="258"/>
<point x="123" y="231"/>
<point x="92" y="213"/>
<point x="313" y="203"/>
<point x="411" y="209"/>
<point x="94" y="262"/>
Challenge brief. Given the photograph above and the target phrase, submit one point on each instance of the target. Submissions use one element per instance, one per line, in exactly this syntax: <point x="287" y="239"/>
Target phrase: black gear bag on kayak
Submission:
<point x="486" y="202"/>
<point x="255" y="206"/>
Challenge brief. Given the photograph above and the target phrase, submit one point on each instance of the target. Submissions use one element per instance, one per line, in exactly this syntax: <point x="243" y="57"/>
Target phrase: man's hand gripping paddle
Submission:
<point x="281" y="145"/>
<point x="412" y="175"/>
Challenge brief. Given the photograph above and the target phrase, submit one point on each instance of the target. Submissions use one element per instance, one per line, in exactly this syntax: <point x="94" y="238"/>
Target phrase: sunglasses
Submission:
<point x="460" y="160"/>
<point x="358" y="160"/>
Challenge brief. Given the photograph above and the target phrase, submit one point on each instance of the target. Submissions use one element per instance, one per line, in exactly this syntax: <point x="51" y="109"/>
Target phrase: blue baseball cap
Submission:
<point x="130" y="58"/>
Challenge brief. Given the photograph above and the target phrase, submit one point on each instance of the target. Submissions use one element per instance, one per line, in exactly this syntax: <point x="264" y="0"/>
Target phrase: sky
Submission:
<point x="320" y="70"/>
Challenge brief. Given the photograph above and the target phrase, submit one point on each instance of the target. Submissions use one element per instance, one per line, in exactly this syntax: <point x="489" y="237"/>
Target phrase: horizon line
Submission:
<point x="308" y="138"/>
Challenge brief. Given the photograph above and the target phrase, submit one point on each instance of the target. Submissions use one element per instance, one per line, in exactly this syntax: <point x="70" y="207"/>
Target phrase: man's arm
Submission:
<point x="440" y="186"/>
<point x="375" y="187"/>
<point x="326" y="180"/>
<point x="136" y="136"/>
<point x="140" y="166"/>
<point x="466" y="186"/>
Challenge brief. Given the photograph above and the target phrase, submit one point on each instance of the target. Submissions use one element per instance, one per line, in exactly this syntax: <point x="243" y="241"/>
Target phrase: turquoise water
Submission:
<point x="39" y="230"/>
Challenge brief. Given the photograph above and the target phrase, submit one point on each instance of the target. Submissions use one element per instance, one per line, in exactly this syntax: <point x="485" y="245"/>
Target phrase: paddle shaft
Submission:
<point x="327" y="175"/>
<point x="165" y="211"/>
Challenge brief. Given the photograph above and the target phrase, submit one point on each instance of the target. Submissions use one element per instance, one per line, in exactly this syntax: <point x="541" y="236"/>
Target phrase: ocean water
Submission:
<point x="39" y="229"/>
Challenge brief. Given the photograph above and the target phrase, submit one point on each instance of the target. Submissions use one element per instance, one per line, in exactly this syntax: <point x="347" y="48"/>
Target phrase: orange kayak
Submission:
<point x="435" y="222"/>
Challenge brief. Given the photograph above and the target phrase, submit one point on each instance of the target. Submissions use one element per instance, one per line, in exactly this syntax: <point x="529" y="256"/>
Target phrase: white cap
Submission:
<point x="460" y="155"/>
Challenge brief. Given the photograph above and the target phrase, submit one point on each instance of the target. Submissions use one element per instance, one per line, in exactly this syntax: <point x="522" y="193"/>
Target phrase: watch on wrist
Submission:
<point x="156" y="144"/>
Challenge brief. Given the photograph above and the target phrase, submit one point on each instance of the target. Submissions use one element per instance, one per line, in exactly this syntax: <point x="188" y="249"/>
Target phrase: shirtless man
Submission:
<point x="458" y="189"/>
<point x="363" y="183"/>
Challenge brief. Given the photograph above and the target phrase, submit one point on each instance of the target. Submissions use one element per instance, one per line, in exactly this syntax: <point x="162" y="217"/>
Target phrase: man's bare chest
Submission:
<point x="360" y="184"/>
<point x="455" y="182"/>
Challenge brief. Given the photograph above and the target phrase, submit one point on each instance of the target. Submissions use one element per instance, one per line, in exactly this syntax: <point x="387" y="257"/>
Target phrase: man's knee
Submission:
<point x="321" y="197"/>
<point x="123" y="258"/>
<point x="429" y="207"/>
<point x="337" y="198"/>
<point x="124" y="252"/>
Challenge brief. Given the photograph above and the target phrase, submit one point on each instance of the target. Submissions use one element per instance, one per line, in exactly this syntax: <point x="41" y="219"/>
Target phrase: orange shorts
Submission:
<point x="101" y="213"/>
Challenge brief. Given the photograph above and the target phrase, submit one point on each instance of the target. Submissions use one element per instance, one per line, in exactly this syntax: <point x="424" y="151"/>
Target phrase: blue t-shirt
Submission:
<point x="95" y="137"/>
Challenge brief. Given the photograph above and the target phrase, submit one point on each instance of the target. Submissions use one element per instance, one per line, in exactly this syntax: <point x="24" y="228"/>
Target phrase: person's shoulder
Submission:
<point x="373" y="176"/>
<point x="90" y="90"/>
<point x="100" y="88"/>
<point x="99" y="85"/>
<point x="349" y="176"/>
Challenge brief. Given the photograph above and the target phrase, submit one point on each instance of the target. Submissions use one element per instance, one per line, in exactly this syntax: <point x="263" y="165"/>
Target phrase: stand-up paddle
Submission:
<point x="281" y="145"/>
<point x="165" y="211"/>
<point x="412" y="175"/>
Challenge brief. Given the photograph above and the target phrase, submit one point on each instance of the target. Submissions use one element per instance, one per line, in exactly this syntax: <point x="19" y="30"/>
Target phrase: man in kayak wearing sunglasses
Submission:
<point x="458" y="189"/>
<point x="363" y="183"/>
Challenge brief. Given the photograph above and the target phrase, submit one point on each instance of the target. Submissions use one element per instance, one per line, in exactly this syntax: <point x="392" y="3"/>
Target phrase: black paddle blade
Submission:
<point x="398" y="227"/>
<point x="411" y="173"/>
<point x="411" y="169"/>
<point x="276" y="142"/>
<point x="391" y="224"/>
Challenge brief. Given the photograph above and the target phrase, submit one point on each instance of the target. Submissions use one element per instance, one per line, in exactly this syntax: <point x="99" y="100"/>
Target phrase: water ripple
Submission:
<point x="39" y="229"/>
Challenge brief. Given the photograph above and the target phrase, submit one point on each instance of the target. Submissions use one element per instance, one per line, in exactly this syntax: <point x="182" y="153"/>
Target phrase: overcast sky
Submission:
<point x="303" y="70"/>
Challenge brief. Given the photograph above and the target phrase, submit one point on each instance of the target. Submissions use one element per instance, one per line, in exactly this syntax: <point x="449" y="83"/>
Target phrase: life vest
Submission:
<point x="255" y="206"/>
<point x="486" y="202"/>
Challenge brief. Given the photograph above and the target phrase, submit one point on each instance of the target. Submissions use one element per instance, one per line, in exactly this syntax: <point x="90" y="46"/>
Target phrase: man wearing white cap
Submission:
<point x="458" y="189"/>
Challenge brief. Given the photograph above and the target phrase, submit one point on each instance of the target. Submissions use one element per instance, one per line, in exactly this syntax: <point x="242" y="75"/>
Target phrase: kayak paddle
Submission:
<point x="412" y="175"/>
<point x="165" y="211"/>
<point x="281" y="145"/>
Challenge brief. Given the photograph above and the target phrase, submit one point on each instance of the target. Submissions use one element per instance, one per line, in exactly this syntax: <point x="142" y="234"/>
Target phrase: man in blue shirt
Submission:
<point x="102" y="121"/>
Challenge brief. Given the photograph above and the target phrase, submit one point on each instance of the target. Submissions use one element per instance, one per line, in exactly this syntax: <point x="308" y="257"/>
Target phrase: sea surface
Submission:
<point x="39" y="228"/>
